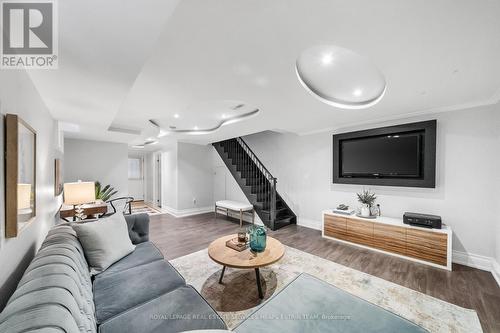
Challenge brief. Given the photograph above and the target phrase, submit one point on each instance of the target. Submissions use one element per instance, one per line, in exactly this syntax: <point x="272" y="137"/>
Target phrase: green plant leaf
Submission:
<point x="367" y="198"/>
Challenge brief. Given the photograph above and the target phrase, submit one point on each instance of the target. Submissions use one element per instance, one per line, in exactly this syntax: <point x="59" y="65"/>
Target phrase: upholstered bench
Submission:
<point x="140" y="293"/>
<point x="240" y="208"/>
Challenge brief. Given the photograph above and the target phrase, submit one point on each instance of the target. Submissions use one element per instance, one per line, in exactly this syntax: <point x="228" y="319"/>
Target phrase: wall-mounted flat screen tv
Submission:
<point x="402" y="155"/>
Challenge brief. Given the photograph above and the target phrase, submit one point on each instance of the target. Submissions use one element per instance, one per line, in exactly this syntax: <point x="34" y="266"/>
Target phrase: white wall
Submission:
<point x="194" y="176"/>
<point x="19" y="96"/>
<point x="466" y="192"/>
<point x="106" y="162"/>
<point x="496" y="265"/>
<point x="169" y="178"/>
<point x="187" y="178"/>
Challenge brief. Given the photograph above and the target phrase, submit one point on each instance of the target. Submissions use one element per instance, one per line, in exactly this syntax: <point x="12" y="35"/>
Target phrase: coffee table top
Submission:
<point x="221" y="254"/>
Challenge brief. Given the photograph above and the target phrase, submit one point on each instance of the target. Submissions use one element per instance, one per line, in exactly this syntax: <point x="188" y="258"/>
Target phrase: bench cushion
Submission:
<point x="116" y="293"/>
<point x="234" y="205"/>
<point x="180" y="310"/>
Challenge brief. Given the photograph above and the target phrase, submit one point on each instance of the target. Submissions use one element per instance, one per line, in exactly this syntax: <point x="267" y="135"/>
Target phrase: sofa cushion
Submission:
<point x="105" y="241"/>
<point x="180" y="310"/>
<point x="144" y="253"/>
<point x="116" y="293"/>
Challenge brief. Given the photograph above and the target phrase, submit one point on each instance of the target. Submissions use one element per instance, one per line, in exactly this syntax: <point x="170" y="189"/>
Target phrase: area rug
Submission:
<point x="236" y="297"/>
<point x="144" y="208"/>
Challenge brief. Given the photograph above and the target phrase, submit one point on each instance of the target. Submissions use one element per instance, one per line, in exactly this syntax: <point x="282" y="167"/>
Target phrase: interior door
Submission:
<point x="157" y="180"/>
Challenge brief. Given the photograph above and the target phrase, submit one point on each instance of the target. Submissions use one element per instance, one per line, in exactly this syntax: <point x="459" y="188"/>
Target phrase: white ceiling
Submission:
<point x="125" y="62"/>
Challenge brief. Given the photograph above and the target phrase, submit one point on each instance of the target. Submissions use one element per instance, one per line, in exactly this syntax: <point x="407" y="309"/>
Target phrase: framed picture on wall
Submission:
<point x="58" y="183"/>
<point x="20" y="175"/>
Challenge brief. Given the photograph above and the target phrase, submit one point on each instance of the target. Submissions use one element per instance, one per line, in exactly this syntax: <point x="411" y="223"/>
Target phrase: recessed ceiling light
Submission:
<point x="357" y="92"/>
<point x="224" y="116"/>
<point x="327" y="59"/>
<point x="353" y="83"/>
<point x="195" y="128"/>
<point x="176" y="115"/>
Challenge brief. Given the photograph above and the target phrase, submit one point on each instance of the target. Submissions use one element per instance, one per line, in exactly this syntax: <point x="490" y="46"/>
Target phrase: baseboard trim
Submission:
<point x="495" y="270"/>
<point x="187" y="212"/>
<point x="472" y="260"/>
<point x="313" y="224"/>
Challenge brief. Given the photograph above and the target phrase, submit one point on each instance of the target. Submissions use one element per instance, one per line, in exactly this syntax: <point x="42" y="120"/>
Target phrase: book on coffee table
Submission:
<point x="235" y="245"/>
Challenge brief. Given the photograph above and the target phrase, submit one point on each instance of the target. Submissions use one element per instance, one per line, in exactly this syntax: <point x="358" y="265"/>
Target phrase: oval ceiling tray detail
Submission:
<point x="340" y="77"/>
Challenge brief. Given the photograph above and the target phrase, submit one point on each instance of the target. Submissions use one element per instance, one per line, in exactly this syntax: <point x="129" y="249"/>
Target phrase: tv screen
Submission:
<point x="397" y="155"/>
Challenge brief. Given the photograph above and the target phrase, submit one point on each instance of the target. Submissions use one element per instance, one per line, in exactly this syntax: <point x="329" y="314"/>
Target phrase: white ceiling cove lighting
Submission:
<point x="340" y="77"/>
<point x="205" y="117"/>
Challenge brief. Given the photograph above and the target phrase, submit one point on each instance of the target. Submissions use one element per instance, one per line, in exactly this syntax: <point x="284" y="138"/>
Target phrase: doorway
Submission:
<point x="136" y="177"/>
<point x="157" y="180"/>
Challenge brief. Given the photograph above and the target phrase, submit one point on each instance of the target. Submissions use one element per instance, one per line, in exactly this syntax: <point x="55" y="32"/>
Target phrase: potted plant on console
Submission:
<point x="367" y="199"/>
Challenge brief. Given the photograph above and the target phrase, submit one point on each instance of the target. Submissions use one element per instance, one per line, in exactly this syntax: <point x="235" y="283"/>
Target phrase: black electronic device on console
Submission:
<point x="422" y="220"/>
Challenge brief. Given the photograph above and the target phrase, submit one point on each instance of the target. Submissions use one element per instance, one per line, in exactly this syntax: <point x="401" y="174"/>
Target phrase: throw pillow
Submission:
<point x="104" y="241"/>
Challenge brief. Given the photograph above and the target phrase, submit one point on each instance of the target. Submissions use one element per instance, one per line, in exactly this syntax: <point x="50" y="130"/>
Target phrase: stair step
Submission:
<point x="280" y="213"/>
<point x="283" y="223"/>
<point x="254" y="185"/>
<point x="264" y="206"/>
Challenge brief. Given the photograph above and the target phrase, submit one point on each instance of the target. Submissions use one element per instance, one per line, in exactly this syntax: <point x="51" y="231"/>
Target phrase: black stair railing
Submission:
<point x="250" y="164"/>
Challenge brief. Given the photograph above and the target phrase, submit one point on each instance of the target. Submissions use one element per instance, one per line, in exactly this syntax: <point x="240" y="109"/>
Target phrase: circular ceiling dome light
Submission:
<point x="340" y="77"/>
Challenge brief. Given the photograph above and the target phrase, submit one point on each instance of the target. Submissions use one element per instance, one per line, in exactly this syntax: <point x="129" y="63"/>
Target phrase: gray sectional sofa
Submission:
<point x="140" y="293"/>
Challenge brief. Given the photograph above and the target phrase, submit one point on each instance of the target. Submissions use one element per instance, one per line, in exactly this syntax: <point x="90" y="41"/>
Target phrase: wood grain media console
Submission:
<point x="391" y="236"/>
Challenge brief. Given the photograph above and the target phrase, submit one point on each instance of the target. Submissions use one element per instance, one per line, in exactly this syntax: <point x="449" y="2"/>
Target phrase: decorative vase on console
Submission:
<point x="367" y="199"/>
<point x="365" y="210"/>
<point x="258" y="236"/>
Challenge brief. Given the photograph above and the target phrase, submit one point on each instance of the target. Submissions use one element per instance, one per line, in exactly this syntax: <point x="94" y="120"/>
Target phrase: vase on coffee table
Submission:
<point x="258" y="237"/>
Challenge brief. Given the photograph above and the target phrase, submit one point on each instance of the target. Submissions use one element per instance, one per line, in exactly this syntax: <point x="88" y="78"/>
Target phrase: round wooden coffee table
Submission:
<point x="227" y="257"/>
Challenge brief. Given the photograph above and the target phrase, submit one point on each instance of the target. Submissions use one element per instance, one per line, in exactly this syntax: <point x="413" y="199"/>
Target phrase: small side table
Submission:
<point x="88" y="209"/>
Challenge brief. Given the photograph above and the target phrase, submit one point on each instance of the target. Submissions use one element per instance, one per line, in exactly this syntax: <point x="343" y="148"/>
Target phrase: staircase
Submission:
<point x="257" y="183"/>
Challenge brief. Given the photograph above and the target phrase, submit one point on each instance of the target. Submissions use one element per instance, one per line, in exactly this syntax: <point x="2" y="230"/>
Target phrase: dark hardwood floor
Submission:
<point x="464" y="286"/>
